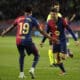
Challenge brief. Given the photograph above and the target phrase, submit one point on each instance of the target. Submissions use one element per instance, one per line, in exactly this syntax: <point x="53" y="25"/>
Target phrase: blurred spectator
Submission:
<point x="11" y="8"/>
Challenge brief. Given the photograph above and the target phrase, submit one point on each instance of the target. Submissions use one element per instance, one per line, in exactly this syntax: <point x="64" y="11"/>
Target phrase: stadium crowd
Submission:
<point x="14" y="7"/>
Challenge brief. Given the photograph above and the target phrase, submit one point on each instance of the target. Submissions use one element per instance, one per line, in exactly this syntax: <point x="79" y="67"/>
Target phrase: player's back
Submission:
<point x="24" y="29"/>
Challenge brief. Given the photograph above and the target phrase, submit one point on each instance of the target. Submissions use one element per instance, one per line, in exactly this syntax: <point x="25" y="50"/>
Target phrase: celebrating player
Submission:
<point x="50" y="51"/>
<point x="24" y="41"/>
<point x="57" y="25"/>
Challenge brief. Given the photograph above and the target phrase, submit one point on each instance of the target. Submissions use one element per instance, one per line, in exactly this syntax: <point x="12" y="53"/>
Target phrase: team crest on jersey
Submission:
<point x="57" y="33"/>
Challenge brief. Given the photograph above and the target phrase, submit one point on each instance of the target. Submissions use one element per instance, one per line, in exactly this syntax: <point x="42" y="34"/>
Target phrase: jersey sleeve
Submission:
<point x="35" y="22"/>
<point x="71" y="32"/>
<point x="59" y="15"/>
<point x="49" y="17"/>
<point x="15" y="21"/>
<point x="65" y="22"/>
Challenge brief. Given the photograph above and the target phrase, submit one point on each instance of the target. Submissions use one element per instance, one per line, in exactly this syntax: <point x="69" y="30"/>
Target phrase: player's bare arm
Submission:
<point x="46" y="35"/>
<point x="8" y="29"/>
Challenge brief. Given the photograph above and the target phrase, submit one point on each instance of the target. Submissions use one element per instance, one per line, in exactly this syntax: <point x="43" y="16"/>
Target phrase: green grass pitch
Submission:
<point x="9" y="66"/>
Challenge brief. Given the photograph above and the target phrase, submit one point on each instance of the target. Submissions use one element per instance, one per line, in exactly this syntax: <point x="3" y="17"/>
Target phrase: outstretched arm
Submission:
<point x="8" y="29"/>
<point x="46" y="35"/>
<point x="73" y="35"/>
<point x="72" y="18"/>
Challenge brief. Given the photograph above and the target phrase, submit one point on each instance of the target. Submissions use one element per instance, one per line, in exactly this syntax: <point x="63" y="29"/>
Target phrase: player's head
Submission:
<point x="28" y="10"/>
<point x="53" y="13"/>
<point x="57" y="6"/>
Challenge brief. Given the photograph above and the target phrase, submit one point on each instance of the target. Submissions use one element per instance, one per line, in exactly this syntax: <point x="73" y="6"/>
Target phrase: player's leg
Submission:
<point x="67" y="41"/>
<point x="63" y="50"/>
<point x="50" y="54"/>
<point x="59" y="63"/>
<point x="32" y="49"/>
<point x="69" y="53"/>
<point x="21" y="60"/>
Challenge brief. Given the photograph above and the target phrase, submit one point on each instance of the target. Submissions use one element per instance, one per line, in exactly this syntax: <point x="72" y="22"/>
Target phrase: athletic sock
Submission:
<point x="51" y="58"/>
<point x="35" y="61"/>
<point x="61" y="66"/>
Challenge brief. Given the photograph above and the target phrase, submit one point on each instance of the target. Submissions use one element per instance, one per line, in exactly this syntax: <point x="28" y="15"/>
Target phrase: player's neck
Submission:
<point x="28" y="14"/>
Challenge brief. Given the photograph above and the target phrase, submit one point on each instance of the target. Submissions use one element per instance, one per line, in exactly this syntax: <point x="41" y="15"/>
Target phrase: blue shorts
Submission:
<point x="30" y="49"/>
<point x="60" y="48"/>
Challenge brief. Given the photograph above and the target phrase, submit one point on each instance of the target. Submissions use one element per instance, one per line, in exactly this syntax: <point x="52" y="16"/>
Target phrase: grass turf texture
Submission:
<point x="9" y="66"/>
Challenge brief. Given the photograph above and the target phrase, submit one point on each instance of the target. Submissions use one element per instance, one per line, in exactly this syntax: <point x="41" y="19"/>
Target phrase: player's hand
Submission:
<point x="3" y="33"/>
<point x="41" y="44"/>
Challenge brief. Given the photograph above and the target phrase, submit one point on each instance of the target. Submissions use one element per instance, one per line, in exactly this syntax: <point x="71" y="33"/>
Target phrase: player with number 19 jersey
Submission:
<point x="24" y="28"/>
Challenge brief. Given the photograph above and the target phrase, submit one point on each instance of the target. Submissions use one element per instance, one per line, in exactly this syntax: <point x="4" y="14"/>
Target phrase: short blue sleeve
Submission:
<point x="35" y="22"/>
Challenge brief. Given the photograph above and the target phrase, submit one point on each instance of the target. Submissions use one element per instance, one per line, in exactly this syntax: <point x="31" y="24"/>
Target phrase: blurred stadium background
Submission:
<point x="9" y="67"/>
<point x="10" y="9"/>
